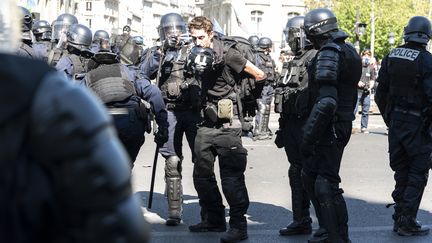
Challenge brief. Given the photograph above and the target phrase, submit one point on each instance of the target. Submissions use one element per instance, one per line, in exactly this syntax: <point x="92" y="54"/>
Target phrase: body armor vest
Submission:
<point x="266" y="64"/>
<point x="293" y="97"/>
<point x="110" y="83"/>
<point x="350" y="68"/>
<point x="404" y="69"/>
<point x="28" y="49"/>
<point x="172" y="77"/>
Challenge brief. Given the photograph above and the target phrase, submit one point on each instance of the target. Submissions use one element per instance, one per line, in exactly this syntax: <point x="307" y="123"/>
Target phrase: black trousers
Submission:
<point x="227" y="145"/>
<point x="410" y="147"/>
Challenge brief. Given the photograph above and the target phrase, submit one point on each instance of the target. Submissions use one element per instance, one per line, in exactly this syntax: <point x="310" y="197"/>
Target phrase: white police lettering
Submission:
<point x="318" y="24"/>
<point x="201" y="61"/>
<point x="404" y="53"/>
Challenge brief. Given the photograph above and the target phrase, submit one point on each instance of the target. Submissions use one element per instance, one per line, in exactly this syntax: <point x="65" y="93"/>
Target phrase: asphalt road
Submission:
<point x="366" y="179"/>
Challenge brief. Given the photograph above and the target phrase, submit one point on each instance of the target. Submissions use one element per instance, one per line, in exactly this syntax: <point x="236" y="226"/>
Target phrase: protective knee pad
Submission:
<point x="173" y="167"/>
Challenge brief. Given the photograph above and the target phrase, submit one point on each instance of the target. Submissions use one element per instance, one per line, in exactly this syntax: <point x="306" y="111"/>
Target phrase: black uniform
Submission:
<point x="293" y="100"/>
<point x="63" y="172"/>
<point x="335" y="72"/>
<point x="222" y="138"/>
<point x="404" y="97"/>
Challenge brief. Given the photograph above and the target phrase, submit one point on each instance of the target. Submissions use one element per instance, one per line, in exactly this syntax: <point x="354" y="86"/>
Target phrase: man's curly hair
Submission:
<point x="201" y="22"/>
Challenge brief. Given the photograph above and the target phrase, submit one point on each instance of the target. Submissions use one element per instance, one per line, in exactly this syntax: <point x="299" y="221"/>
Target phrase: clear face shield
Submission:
<point x="176" y="34"/>
<point x="10" y="29"/>
<point x="295" y="39"/>
<point x="59" y="30"/>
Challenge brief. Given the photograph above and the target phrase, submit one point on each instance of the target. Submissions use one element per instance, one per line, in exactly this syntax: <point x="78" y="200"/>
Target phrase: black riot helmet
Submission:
<point x="265" y="43"/>
<point x="171" y="25"/>
<point x="139" y="40"/>
<point x="80" y="37"/>
<point x="127" y="28"/>
<point x="418" y="30"/>
<point x="253" y="40"/>
<point x="62" y="24"/>
<point x="100" y="35"/>
<point x="200" y="60"/>
<point x="42" y="30"/>
<point x="319" y="22"/>
<point x="295" y="36"/>
<point x="27" y="23"/>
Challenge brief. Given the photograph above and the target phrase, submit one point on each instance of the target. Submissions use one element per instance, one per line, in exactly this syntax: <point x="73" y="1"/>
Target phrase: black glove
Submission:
<point x="170" y="43"/>
<point x="161" y="137"/>
<point x="279" y="141"/>
<point x="307" y="149"/>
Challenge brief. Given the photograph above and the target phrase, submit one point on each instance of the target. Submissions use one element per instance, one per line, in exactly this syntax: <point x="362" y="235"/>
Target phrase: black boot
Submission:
<point x="205" y="226"/>
<point x="333" y="210"/>
<point x="234" y="235"/>
<point x="321" y="235"/>
<point x="408" y="226"/>
<point x="302" y="227"/>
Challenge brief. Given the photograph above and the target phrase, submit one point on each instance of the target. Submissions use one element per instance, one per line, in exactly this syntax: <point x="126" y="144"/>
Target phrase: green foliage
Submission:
<point x="390" y="16"/>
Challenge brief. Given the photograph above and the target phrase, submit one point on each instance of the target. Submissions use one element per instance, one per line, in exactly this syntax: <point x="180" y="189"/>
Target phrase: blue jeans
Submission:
<point x="363" y="99"/>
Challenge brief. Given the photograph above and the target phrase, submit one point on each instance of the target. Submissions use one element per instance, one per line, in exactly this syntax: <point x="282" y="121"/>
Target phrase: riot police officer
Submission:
<point x="267" y="64"/>
<point x="219" y="135"/>
<point x="74" y="63"/>
<point x="334" y="72"/>
<point x="129" y="99"/>
<point x="63" y="172"/>
<point x="60" y="28"/>
<point x="119" y="41"/>
<point x="404" y="96"/>
<point x="100" y="41"/>
<point x="253" y="40"/>
<point x="42" y="32"/>
<point x="293" y="100"/>
<point x="181" y="94"/>
<point x="26" y="46"/>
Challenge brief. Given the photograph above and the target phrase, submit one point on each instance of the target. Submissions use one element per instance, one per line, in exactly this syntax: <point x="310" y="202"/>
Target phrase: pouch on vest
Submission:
<point x="211" y="113"/>
<point x="173" y="90"/>
<point x="225" y="109"/>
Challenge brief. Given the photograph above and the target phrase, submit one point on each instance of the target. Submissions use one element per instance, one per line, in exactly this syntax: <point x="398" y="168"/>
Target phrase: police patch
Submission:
<point x="404" y="53"/>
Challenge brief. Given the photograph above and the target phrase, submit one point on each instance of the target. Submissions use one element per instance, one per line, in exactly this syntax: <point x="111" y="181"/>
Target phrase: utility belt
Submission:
<point x="178" y="106"/>
<point x="141" y="111"/>
<point x="221" y="110"/>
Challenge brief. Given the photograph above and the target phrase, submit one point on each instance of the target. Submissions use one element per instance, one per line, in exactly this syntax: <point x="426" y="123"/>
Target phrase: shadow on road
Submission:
<point x="368" y="221"/>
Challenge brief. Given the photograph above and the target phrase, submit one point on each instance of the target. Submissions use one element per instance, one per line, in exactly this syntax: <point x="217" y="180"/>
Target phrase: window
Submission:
<point x="292" y="14"/>
<point x="256" y="19"/>
<point x="89" y="22"/>
<point x="88" y="6"/>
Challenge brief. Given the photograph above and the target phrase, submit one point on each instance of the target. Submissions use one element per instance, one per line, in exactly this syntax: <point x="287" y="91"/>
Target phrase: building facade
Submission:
<point x="253" y="17"/>
<point x="143" y="16"/>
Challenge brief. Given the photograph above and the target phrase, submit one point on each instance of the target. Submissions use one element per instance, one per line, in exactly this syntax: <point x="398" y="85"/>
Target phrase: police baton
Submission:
<point x="149" y="205"/>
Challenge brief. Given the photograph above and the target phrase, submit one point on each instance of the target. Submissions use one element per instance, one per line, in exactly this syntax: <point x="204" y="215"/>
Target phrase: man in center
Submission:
<point x="220" y="135"/>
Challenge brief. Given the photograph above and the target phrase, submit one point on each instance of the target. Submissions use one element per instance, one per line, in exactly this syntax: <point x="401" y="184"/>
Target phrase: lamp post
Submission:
<point x="359" y="29"/>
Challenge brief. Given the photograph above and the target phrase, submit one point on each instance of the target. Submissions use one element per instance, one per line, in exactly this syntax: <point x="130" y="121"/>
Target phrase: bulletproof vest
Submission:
<point x="54" y="56"/>
<point x="172" y="75"/>
<point x="27" y="50"/>
<point x="404" y="67"/>
<point x="110" y="83"/>
<point x="79" y="64"/>
<point x="349" y="74"/>
<point x="293" y="85"/>
<point x="266" y="64"/>
<point x="21" y="178"/>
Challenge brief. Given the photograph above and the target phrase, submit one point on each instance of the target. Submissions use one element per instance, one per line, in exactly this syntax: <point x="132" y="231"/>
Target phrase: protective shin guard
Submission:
<point x="333" y="210"/>
<point x="174" y="189"/>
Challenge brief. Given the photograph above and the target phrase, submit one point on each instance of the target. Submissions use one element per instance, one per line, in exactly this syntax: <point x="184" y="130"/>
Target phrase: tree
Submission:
<point x="390" y="16"/>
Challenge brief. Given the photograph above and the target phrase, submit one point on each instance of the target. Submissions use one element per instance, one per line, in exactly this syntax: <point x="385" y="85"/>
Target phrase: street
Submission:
<point x="366" y="179"/>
